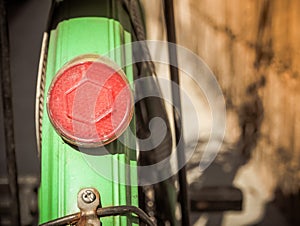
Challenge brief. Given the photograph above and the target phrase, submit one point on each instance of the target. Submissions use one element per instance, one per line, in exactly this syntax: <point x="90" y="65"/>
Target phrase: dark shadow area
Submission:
<point x="221" y="173"/>
<point x="282" y="211"/>
<point x="27" y="21"/>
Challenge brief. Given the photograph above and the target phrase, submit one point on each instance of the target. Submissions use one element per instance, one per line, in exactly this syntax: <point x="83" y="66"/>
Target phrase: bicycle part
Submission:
<point x="132" y="6"/>
<point x="90" y="102"/>
<point x="65" y="169"/>
<point x="88" y="201"/>
<point x="90" y="214"/>
<point x="40" y="90"/>
<point x="174" y="73"/>
<point x="147" y="109"/>
<point x="103" y="212"/>
<point x="88" y="196"/>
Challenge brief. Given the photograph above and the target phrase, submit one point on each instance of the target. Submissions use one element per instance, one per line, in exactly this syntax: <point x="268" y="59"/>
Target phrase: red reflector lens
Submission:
<point x="90" y="102"/>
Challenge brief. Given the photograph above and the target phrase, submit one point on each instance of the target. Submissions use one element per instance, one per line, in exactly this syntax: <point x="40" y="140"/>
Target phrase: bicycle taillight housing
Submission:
<point x="90" y="102"/>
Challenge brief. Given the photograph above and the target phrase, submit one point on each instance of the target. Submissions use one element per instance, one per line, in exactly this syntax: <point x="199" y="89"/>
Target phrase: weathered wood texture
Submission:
<point x="253" y="48"/>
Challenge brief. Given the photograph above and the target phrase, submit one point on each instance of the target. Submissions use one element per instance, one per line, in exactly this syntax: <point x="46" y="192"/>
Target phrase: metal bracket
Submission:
<point x="88" y="200"/>
<point x="89" y="203"/>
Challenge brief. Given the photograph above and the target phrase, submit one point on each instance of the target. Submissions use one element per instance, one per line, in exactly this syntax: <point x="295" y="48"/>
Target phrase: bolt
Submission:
<point x="88" y="196"/>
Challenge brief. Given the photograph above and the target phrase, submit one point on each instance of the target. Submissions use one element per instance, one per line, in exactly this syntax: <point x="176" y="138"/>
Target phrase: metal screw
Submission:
<point x="88" y="196"/>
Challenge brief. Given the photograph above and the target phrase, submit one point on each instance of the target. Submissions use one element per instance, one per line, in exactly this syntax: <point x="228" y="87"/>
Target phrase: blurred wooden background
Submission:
<point x="253" y="48"/>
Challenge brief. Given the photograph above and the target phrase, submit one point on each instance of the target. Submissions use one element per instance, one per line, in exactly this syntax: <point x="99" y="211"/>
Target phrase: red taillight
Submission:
<point x="90" y="102"/>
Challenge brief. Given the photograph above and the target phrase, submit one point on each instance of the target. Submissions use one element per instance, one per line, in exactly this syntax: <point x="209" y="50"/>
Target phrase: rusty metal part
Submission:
<point x="66" y="220"/>
<point x="104" y="212"/>
<point x="88" y="200"/>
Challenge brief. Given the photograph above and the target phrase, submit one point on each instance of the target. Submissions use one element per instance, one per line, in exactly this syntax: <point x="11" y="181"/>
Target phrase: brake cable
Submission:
<point x="174" y="74"/>
<point x="135" y="17"/>
<point x="132" y="8"/>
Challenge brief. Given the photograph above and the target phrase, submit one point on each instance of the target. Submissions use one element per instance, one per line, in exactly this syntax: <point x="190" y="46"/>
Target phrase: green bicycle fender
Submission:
<point x="65" y="170"/>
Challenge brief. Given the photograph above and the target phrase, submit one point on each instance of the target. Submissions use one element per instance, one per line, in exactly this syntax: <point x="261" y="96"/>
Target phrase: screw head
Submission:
<point x="88" y="196"/>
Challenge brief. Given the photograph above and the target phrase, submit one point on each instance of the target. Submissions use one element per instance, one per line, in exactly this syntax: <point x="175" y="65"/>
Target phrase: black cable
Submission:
<point x="171" y="37"/>
<point x="132" y="6"/>
<point x="148" y="108"/>
<point x="124" y="210"/>
<point x="8" y="116"/>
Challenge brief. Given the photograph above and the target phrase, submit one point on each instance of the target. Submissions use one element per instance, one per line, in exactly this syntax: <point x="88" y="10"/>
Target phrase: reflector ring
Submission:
<point x="90" y="102"/>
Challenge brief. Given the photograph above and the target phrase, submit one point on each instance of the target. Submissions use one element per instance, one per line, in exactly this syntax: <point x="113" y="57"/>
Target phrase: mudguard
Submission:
<point x="64" y="169"/>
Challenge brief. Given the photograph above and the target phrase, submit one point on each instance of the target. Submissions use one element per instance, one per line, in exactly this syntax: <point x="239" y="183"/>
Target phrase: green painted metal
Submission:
<point x="64" y="170"/>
